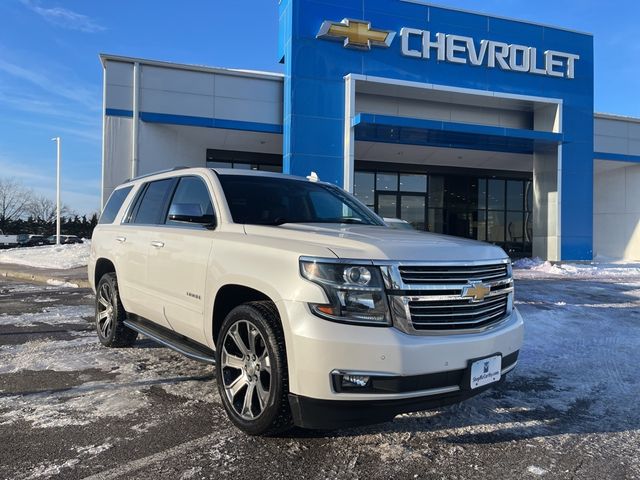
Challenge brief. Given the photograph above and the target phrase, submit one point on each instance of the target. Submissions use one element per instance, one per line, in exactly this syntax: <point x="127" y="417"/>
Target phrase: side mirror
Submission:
<point x="190" y="213"/>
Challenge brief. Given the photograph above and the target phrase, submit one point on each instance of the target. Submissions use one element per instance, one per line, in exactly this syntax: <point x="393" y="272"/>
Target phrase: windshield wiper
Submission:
<point x="350" y="220"/>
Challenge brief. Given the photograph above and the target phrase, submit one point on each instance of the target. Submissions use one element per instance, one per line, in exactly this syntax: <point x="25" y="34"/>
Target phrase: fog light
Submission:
<point x="355" y="380"/>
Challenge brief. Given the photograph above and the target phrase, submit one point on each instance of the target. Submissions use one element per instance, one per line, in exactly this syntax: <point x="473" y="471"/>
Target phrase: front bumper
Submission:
<point x="333" y="414"/>
<point x="316" y="348"/>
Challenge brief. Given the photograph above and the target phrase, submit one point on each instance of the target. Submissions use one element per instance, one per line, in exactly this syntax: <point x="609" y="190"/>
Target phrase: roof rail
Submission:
<point x="155" y="173"/>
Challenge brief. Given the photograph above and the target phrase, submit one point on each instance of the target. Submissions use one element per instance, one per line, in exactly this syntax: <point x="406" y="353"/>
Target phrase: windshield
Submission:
<point x="265" y="200"/>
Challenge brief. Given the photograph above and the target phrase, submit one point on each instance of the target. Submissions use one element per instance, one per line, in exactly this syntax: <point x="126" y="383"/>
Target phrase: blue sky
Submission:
<point x="51" y="78"/>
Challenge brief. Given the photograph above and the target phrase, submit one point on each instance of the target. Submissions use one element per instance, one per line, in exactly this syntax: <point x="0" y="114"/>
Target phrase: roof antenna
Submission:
<point x="313" y="177"/>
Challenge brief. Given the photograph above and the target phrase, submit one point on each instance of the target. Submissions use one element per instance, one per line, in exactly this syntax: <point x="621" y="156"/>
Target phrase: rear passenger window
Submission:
<point x="153" y="204"/>
<point x="114" y="204"/>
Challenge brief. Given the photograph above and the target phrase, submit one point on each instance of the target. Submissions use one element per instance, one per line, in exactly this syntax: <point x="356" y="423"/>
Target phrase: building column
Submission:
<point x="546" y="204"/>
<point x="349" y="135"/>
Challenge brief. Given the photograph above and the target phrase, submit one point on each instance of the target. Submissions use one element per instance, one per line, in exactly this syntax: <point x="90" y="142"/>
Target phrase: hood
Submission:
<point x="381" y="243"/>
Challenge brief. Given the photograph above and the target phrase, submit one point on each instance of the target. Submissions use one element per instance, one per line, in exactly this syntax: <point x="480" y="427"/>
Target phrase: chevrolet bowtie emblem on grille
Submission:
<point x="476" y="291"/>
<point x="356" y="34"/>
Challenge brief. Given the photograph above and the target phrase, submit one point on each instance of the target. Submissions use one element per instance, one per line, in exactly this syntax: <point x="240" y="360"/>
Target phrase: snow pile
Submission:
<point x="49" y="256"/>
<point x="583" y="270"/>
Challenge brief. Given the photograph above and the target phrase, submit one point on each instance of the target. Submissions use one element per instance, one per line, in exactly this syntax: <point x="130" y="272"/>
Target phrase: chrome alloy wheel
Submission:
<point x="105" y="311"/>
<point x="246" y="369"/>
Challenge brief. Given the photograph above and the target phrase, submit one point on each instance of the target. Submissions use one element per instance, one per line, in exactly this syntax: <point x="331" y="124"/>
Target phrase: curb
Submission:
<point x="46" y="279"/>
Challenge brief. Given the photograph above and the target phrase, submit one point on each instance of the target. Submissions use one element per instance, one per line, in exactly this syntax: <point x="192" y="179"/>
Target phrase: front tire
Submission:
<point x="110" y="315"/>
<point x="252" y="371"/>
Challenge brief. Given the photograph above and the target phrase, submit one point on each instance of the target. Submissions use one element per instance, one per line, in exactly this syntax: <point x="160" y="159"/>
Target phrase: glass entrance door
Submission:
<point x="491" y="209"/>
<point x="387" y="205"/>
<point x="411" y="208"/>
<point x="461" y="207"/>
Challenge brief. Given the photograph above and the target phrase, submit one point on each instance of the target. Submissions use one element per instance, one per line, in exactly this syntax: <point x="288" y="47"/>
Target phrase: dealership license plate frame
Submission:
<point x="477" y="367"/>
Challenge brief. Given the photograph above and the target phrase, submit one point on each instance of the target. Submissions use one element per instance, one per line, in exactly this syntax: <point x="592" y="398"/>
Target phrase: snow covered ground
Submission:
<point x="49" y="256"/>
<point x="569" y="410"/>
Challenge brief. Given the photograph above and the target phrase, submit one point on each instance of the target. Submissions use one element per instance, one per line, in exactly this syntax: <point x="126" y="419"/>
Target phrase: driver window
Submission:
<point x="191" y="203"/>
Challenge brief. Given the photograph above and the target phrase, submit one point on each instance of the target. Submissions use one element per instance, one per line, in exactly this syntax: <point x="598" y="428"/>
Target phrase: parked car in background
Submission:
<point x="64" y="239"/>
<point x="31" y="240"/>
<point x="398" y="224"/>
<point x="316" y="313"/>
<point x="8" y="241"/>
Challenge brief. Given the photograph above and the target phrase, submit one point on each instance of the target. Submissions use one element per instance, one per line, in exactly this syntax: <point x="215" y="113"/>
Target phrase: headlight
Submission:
<point x="355" y="292"/>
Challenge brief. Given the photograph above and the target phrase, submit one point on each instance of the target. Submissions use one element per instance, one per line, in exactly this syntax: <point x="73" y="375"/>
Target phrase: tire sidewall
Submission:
<point x="278" y="370"/>
<point x="109" y="279"/>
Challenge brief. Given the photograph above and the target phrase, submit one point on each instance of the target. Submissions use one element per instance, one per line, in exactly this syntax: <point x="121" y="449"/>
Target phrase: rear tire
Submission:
<point x="110" y="315"/>
<point x="251" y="369"/>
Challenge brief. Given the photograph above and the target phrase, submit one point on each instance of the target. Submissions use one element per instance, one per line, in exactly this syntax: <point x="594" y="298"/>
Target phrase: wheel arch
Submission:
<point x="230" y="296"/>
<point x="103" y="266"/>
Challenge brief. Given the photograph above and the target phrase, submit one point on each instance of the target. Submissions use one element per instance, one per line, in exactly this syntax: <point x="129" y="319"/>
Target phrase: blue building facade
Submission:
<point x="334" y="51"/>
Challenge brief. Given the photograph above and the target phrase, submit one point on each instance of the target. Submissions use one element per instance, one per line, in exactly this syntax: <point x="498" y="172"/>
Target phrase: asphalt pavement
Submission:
<point x="70" y="408"/>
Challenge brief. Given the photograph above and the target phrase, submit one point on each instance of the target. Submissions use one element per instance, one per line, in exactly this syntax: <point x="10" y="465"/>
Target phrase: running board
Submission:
<point x="172" y="340"/>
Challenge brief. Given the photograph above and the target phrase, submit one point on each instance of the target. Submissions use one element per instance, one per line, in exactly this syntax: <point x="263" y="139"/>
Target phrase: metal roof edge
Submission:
<point x="104" y="57"/>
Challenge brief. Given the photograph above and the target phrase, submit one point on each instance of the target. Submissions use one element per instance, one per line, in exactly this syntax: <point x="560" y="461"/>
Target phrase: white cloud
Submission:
<point x="30" y="103"/>
<point x="53" y="85"/>
<point x="65" y="18"/>
<point x="90" y="135"/>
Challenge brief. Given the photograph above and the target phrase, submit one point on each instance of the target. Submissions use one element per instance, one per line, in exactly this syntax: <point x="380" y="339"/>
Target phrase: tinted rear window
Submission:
<point x="114" y="204"/>
<point x="152" y="206"/>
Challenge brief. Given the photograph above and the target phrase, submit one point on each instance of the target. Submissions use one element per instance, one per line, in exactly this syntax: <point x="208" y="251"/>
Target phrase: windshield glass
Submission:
<point x="265" y="200"/>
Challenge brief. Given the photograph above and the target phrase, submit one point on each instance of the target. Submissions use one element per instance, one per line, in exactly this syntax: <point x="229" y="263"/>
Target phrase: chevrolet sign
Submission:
<point x="416" y="43"/>
<point x="459" y="49"/>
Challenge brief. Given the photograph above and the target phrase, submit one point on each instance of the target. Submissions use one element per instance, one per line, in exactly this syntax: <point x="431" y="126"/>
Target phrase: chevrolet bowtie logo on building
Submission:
<point x="476" y="291"/>
<point x="356" y="34"/>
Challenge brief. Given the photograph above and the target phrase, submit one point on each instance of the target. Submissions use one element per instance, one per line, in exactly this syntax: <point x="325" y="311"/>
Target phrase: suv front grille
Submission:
<point x="457" y="314"/>
<point x="427" y="299"/>
<point x="446" y="275"/>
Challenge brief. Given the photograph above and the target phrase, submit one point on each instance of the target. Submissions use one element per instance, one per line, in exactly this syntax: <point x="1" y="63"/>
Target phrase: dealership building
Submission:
<point x="461" y="123"/>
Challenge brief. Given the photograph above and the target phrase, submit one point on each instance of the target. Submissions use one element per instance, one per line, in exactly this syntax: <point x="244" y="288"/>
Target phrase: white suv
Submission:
<point x="315" y="312"/>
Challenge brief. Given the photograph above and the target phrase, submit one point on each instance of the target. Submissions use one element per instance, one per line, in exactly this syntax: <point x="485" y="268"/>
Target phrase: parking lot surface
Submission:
<point x="70" y="408"/>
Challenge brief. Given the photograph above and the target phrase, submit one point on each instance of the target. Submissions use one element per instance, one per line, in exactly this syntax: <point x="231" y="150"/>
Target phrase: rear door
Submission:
<point x="137" y="231"/>
<point x="179" y="255"/>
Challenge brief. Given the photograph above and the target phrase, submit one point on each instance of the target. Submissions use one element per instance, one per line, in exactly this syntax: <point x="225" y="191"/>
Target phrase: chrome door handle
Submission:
<point x="121" y="239"/>
<point x="157" y="244"/>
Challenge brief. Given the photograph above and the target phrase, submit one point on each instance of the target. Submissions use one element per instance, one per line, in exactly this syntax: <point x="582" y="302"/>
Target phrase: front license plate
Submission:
<point x="486" y="371"/>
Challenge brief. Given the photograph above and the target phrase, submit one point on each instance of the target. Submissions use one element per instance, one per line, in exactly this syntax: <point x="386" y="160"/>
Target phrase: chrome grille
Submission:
<point x="457" y="314"/>
<point x="429" y="299"/>
<point x="446" y="275"/>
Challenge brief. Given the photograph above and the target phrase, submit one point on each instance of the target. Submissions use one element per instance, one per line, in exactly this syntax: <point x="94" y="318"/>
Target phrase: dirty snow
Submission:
<point x="93" y="449"/>
<point x="61" y="283"/>
<point x="134" y="371"/>
<point x="54" y="469"/>
<point x="54" y="315"/>
<point x="49" y="256"/>
<point x="531" y="268"/>
<point x="536" y="470"/>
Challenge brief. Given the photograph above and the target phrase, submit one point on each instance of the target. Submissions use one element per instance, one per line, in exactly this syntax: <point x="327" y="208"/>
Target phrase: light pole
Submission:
<point x="57" y="140"/>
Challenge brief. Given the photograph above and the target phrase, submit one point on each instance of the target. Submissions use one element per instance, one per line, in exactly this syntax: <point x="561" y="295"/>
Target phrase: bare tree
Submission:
<point x="43" y="208"/>
<point x="14" y="199"/>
